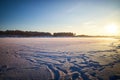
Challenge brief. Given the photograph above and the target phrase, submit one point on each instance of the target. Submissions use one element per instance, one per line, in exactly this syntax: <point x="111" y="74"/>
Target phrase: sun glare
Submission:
<point x="111" y="28"/>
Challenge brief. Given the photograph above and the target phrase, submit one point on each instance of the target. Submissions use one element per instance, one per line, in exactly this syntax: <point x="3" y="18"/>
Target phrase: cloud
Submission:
<point x="89" y="23"/>
<point x="73" y="8"/>
<point x="69" y="26"/>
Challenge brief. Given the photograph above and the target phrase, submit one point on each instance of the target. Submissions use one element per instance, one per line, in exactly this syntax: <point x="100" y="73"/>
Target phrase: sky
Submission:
<point x="90" y="17"/>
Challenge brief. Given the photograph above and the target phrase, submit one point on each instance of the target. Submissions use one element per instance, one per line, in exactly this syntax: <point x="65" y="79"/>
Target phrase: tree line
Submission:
<point x="19" y="33"/>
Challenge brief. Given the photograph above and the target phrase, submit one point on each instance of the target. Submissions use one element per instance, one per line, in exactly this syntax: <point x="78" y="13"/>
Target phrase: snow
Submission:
<point x="59" y="58"/>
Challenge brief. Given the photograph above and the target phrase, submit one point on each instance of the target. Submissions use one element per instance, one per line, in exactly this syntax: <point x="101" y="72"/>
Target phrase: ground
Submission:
<point x="59" y="59"/>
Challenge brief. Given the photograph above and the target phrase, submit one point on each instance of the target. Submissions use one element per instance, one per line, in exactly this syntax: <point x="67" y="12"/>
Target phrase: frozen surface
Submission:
<point x="59" y="59"/>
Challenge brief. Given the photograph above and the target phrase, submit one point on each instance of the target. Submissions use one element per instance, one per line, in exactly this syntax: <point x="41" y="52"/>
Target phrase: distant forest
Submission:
<point x="19" y="33"/>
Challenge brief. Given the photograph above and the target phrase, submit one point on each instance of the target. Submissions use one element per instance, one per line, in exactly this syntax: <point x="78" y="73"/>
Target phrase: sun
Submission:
<point x="111" y="29"/>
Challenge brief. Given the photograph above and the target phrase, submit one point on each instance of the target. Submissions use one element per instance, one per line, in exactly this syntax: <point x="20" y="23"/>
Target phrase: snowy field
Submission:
<point x="59" y="59"/>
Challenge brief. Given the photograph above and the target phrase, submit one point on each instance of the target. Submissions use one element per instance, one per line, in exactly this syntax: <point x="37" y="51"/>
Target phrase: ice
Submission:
<point x="59" y="58"/>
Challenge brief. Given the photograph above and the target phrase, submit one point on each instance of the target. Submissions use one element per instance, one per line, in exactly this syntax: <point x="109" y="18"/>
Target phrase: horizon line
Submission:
<point x="84" y="35"/>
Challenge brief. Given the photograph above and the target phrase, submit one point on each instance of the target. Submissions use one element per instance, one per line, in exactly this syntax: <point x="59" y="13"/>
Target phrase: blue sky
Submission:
<point x="78" y="16"/>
